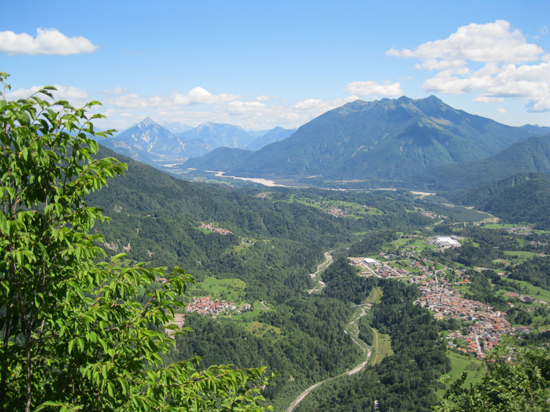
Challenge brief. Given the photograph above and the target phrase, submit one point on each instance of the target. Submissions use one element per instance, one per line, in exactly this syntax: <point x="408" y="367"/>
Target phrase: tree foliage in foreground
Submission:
<point x="518" y="379"/>
<point x="72" y="335"/>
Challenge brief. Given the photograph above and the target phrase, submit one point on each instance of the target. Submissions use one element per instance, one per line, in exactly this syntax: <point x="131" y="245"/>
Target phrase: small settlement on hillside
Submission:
<point x="205" y="306"/>
<point x="214" y="229"/>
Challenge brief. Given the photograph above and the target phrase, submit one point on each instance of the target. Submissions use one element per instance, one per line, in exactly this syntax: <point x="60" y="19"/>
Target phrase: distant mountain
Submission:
<point x="148" y="142"/>
<point x="531" y="155"/>
<point x="176" y="127"/>
<point x="524" y="197"/>
<point x="219" y="135"/>
<point x="536" y="130"/>
<point x="274" y="135"/>
<point x="257" y="133"/>
<point x="388" y="139"/>
<point x="220" y="159"/>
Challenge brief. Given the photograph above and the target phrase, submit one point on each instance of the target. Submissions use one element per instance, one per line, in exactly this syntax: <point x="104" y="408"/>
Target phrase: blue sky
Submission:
<point x="260" y="64"/>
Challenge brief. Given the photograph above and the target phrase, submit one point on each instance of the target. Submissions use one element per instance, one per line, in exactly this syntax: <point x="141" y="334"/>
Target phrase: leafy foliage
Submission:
<point x="518" y="379"/>
<point x="73" y="335"/>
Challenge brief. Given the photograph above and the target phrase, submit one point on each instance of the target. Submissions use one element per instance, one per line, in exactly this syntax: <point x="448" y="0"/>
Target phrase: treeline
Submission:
<point x="405" y="381"/>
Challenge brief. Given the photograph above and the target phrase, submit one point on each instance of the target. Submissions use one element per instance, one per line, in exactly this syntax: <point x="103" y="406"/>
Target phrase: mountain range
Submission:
<point x="384" y="139"/>
<point x="151" y="143"/>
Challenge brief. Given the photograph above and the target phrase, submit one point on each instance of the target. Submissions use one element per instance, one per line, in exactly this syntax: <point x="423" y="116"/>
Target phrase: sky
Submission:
<point x="260" y="64"/>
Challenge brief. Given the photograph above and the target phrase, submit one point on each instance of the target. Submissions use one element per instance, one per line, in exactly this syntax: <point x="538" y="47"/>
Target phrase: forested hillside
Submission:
<point x="524" y="197"/>
<point x="530" y="156"/>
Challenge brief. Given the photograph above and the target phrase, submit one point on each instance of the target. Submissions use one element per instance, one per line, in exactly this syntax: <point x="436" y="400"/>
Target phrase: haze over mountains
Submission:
<point x="151" y="143"/>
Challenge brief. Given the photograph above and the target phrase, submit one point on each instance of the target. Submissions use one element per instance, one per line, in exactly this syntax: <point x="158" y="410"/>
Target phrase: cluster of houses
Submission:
<point x="334" y="211"/>
<point x="214" y="229"/>
<point x="262" y="195"/>
<point x="519" y="230"/>
<point x="205" y="306"/>
<point x="487" y="326"/>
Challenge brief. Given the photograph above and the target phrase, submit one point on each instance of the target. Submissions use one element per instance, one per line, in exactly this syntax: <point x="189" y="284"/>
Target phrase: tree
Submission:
<point x="73" y="335"/>
<point x="518" y="379"/>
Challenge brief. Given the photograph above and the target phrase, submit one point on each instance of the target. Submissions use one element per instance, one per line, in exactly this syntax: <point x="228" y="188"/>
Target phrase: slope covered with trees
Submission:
<point x="391" y="139"/>
<point x="530" y="156"/>
<point x="524" y="197"/>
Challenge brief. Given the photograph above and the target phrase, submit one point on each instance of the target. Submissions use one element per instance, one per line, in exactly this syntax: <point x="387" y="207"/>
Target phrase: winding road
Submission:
<point x="353" y="331"/>
<point x="320" y="268"/>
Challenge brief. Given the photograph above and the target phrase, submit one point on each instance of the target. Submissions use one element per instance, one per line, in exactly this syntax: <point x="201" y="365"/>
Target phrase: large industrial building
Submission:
<point x="445" y="241"/>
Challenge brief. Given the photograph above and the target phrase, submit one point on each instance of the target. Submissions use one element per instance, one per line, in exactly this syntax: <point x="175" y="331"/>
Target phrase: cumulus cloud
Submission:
<point x="370" y="88"/>
<point x="502" y="110"/>
<point x="512" y="67"/>
<point x="47" y="41"/>
<point x="492" y="42"/>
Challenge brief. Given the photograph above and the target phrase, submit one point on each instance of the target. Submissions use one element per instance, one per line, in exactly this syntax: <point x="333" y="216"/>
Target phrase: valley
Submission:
<point x="279" y="262"/>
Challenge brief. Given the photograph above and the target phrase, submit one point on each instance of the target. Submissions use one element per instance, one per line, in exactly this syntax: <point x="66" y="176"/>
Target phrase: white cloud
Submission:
<point x="544" y="30"/>
<point x="265" y="98"/>
<point x="309" y="104"/>
<point x="530" y="82"/>
<point x="72" y="94"/>
<point x="370" y="88"/>
<point x="513" y="68"/>
<point x="198" y="95"/>
<point x="116" y="91"/>
<point x="502" y="110"/>
<point x="47" y="41"/>
<point x="238" y="107"/>
<point x="492" y="42"/>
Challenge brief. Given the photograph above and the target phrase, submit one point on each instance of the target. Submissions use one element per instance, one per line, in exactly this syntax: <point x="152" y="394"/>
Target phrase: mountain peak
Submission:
<point x="147" y="122"/>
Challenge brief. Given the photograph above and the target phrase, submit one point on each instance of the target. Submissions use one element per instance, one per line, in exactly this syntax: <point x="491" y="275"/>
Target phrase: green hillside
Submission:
<point x="524" y="197"/>
<point x="532" y="155"/>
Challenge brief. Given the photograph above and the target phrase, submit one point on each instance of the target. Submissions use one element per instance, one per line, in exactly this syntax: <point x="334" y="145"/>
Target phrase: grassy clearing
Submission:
<point x="463" y="363"/>
<point x="375" y="295"/>
<point x="520" y="254"/>
<point x="382" y="347"/>
<point x="498" y="225"/>
<point x="227" y="289"/>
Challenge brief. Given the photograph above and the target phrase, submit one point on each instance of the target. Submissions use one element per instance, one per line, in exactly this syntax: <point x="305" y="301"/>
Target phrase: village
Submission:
<point x="334" y="211"/>
<point x="214" y="229"/>
<point x="487" y="328"/>
<point x="205" y="306"/>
